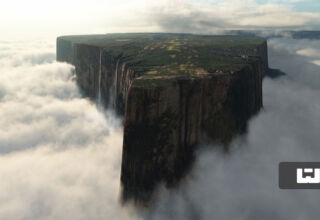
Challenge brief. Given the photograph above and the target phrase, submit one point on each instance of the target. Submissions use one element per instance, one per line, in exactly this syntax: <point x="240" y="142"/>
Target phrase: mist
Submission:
<point x="36" y="19"/>
<point x="60" y="155"/>
<point x="243" y="184"/>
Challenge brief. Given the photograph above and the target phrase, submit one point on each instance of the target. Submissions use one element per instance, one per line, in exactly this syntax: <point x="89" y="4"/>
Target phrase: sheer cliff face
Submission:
<point x="164" y="124"/>
<point x="165" y="119"/>
<point x="86" y="59"/>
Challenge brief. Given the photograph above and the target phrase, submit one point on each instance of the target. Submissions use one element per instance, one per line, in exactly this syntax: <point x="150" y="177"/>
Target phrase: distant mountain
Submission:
<point x="312" y="35"/>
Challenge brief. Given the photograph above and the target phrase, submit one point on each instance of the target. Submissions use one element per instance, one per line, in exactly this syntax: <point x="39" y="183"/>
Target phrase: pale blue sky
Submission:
<point x="296" y="5"/>
<point x="41" y="17"/>
<point x="302" y="5"/>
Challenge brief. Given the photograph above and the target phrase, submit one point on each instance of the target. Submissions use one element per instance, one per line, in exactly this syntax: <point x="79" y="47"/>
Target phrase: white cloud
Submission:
<point x="232" y="14"/>
<point x="317" y="62"/>
<point x="309" y="52"/>
<point x="312" y="53"/>
<point x="59" y="156"/>
<point x="243" y="184"/>
<point x="284" y="56"/>
<point x="37" y="19"/>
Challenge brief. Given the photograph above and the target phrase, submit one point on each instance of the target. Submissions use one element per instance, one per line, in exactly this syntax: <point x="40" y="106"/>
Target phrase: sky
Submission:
<point x="60" y="154"/>
<point x="36" y="18"/>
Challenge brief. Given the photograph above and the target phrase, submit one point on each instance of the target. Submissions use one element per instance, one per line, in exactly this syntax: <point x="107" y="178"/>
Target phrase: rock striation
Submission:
<point x="174" y="90"/>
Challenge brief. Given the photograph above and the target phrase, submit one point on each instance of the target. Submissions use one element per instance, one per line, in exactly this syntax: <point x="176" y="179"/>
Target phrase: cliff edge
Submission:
<point x="174" y="90"/>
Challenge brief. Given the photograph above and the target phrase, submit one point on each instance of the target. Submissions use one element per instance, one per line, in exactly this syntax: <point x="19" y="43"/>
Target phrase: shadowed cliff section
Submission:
<point x="173" y="90"/>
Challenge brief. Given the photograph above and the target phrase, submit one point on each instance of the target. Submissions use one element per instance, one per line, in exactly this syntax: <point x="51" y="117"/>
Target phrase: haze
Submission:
<point x="60" y="155"/>
<point x="35" y="18"/>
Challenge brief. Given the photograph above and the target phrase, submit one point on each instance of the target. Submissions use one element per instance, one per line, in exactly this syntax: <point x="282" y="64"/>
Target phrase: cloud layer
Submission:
<point x="60" y="157"/>
<point x="182" y="16"/>
<point x="244" y="183"/>
<point x="35" y="18"/>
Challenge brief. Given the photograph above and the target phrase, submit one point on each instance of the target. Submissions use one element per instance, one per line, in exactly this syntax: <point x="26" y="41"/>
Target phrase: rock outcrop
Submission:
<point x="173" y="90"/>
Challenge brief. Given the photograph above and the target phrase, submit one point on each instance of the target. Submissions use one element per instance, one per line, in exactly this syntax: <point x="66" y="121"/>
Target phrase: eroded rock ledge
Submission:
<point x="173" y="91"/>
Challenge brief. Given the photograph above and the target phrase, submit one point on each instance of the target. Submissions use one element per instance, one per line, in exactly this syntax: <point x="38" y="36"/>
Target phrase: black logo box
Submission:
<point x="288" y="175"/>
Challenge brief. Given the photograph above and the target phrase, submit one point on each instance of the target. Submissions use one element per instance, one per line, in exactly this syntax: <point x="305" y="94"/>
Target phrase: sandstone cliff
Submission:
<point x="170" y="98"/>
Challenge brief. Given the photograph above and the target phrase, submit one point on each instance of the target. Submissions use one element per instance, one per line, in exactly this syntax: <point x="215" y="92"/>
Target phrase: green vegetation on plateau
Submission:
<point x="174" y="91"/>
<point x="171" y="56"/>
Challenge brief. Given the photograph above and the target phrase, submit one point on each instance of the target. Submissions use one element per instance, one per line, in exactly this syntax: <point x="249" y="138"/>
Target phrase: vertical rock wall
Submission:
<point x="164" y="123"/>
<point x="85" y="58"/>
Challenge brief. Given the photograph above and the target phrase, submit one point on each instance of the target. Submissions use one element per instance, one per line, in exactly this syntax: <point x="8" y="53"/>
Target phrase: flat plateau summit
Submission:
<point x="173" y="90"/>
